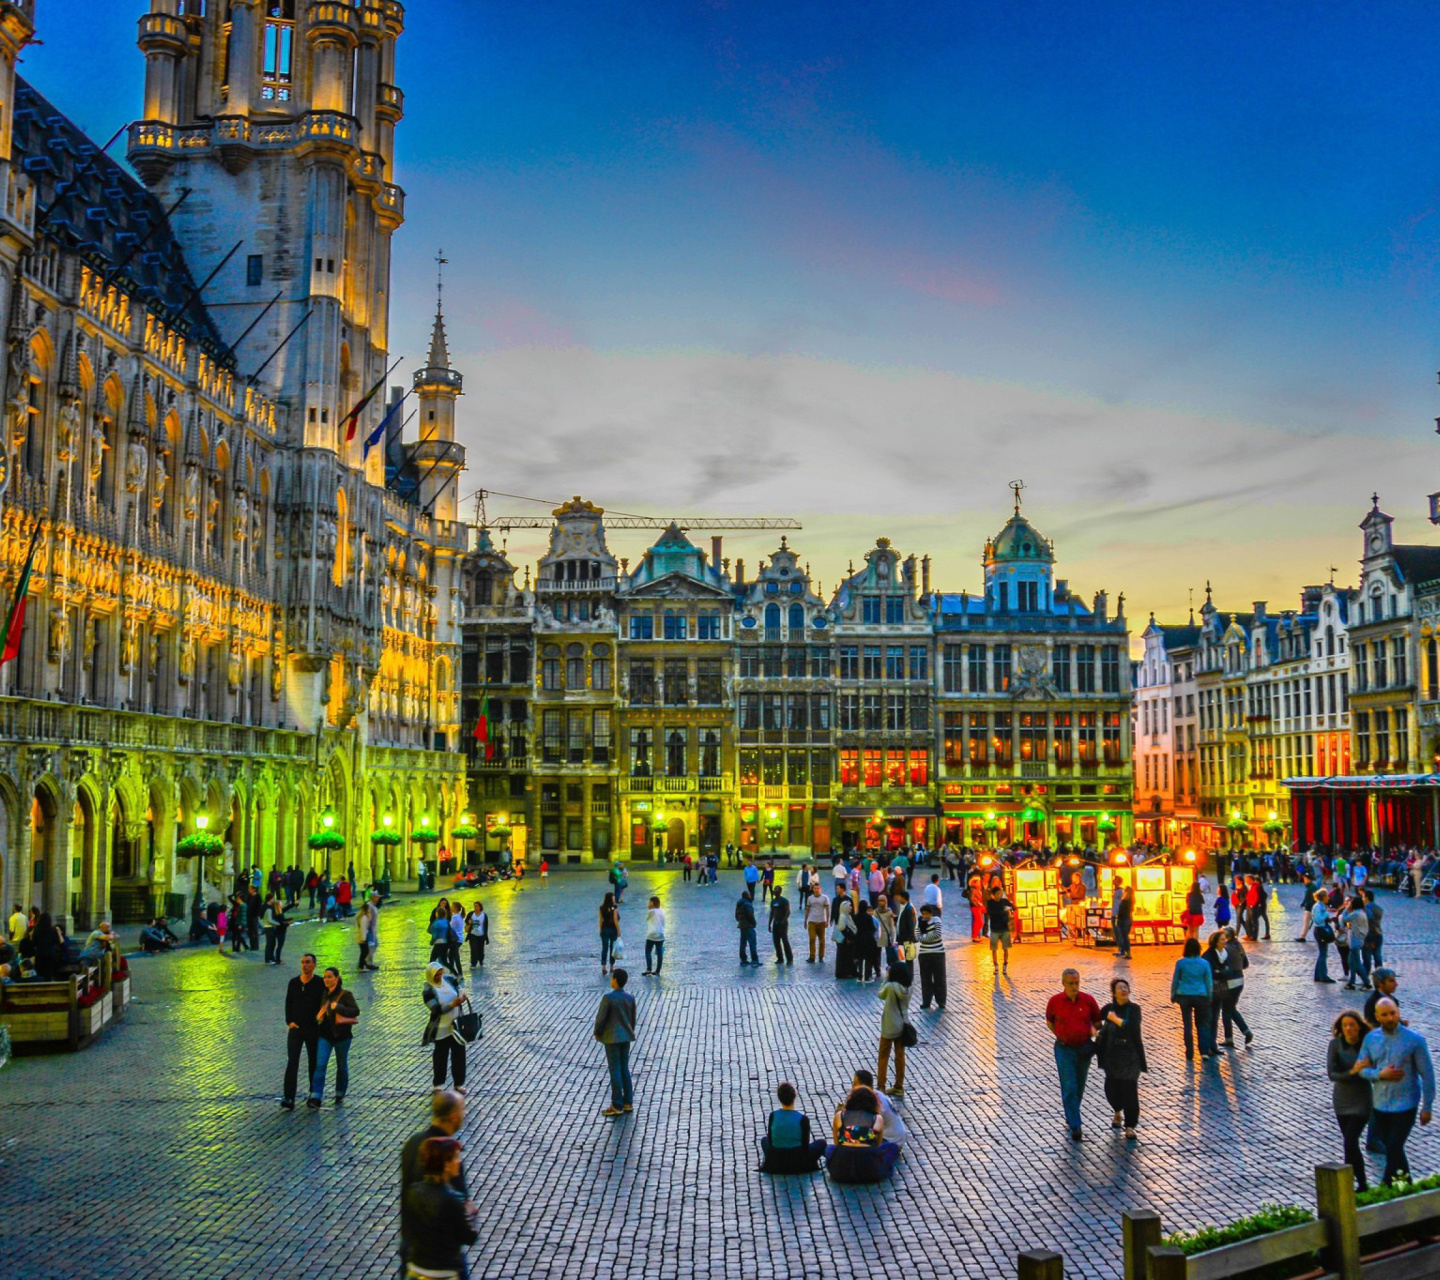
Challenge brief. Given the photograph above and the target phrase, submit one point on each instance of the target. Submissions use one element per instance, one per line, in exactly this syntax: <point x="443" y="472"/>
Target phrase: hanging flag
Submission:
<point x="378" y="434"/>
<point x="352" y="419"/>
<point x="15" y="618"/>
<point x="482" y="726"/>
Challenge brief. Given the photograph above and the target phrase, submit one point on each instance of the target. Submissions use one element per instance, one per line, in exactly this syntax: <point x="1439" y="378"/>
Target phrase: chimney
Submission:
<point x="1259" y="611"/>
<point x="1102" y="603"/>
<point x="739" y="573"/>
<point x="715" y="551"/>
<point x="925" y="576"/>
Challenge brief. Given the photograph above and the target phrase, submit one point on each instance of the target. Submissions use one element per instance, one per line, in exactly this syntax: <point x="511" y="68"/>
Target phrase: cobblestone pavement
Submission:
<point x="161" y="1151"/>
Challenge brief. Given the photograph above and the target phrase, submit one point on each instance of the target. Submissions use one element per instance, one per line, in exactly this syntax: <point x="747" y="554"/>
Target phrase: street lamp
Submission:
<point x="659" y="826"/>
<point x="202" y="820"/>
<point x="772" y="826"/>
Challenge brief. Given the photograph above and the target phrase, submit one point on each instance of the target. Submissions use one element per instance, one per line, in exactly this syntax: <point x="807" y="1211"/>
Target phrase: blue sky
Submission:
<point x="1174" y="265"/>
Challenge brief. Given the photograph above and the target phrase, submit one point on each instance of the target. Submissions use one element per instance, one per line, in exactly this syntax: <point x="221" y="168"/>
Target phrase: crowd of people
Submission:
<point x="35" y="948"/>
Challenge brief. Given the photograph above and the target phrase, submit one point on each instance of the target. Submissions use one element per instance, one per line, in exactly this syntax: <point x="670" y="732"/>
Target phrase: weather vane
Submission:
<point x="440" y="263"/>
<point x="1016" y="486"/>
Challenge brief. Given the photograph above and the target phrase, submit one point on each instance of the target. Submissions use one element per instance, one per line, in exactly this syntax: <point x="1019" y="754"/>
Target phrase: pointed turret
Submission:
<point x="437" y="457"/>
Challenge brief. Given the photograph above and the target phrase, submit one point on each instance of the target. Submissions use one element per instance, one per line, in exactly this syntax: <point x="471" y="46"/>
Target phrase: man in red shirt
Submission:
<point x="1073" y="1018"/>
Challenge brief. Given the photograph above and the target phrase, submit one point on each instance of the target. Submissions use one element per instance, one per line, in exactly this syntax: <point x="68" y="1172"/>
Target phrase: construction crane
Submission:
<point x="623" y="520"/>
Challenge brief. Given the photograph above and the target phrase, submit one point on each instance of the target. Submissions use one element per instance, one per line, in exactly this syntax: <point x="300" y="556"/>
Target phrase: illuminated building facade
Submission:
<point x="230" y="617"/>
<point x="1033" y="694"/>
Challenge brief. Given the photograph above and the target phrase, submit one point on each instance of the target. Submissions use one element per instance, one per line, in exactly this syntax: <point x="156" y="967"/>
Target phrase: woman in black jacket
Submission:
<point x="1120" y="1052"/>
<point x="436" y="1220"/>
<point x="1221" y="972"/>
<point x="49" y="947"/>
<point x="867" y="943"/>
<point x="1351" y="1093"/>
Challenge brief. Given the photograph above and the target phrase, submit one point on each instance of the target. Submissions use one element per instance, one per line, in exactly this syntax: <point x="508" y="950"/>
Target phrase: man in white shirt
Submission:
<point x="841" y="874"/>
<point x="817" y="920"/>
<point x="932" y="897"/>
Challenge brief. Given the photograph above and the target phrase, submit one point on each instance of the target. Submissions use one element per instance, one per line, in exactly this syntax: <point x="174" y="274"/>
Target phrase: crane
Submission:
<point x="624" y="520"/>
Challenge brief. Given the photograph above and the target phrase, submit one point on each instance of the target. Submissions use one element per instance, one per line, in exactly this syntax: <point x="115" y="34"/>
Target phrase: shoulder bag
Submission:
<point x="466" y="1026"/>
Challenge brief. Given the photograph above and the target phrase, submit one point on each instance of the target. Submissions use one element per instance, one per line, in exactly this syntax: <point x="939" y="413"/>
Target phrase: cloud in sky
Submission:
<point x="1146" y="500"/>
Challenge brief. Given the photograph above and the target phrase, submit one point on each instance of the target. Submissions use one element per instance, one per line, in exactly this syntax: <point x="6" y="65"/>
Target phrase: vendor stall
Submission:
<point x="1160" y="892"/>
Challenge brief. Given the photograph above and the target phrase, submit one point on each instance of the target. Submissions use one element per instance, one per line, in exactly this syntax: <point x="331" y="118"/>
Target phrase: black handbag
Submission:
<point x="909" y="1037"/>
<point x="467" y="1026"/>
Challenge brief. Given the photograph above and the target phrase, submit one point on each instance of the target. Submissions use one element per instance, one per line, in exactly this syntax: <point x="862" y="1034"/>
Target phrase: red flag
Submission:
<point x="482" y="727"/>
<point x="352" y="419"/>
<point x="15" y="618"/>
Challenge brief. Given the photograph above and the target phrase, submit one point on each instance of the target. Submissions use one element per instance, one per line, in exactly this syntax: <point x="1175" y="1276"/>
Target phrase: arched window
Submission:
<point x="275" y="79"/>
<point x="550" y="667"/>
<point x="1432" y="668"/>
<point x="600" y="667"/>
<point x="797" y="619"/>
<point x="710" y="754"/>
<point x="1330" y="642"/>
<point x="575" y="666"/>
<point x="772" y="622"/>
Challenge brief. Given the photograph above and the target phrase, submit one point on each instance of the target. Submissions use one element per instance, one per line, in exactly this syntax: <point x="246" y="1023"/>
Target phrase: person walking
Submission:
<point x="365" y="934"/>
<point x="779" y="925"/>
<point x="867" y="943"/>
<point x="1375" y="939"/>
<point x="1124" y="921"/>
<point x="436" y="1222"/>
<point x="975" y="891"/>
<point x="1320" y="918"/>
<point x="457" y="936"/>
<point x="237" y="928"/>
<point x="477" y="933"/>
<point x="846" y="956"/>
<point x="609" y="931"/>
<point x="1356" y="922"/>
<point x="615" y="1024"/>
<point x="338" y="1015"/>
<point x="1222" y="906"/>
<point x="886" y="927"/>
<point x="767" y="880"/>
<point x="1307" y="905"/>
<point x="1396" y="1062"/>
<point x="1194" y="912"/>
<point x="894" y="993"/>
<point x="999" y="911"/>
<point x="654" y="939"/>
<point x="1192" y="988"/>
<point x="270" y="926"/>
<point x="1236" y="962"/>
<point x="303" y="998"/>
<point x="1350" y="1092"/>
<point x="931" y="959"/>
<point x="1073" y="1018"/>
<point x="447" y="1115"/>
<point x="817" y="920"/>
<point x="745" y="922"/>
<point x="445" y="1001"/>
<point x="1120" y="1051"/>
<point x="752" y="877"/>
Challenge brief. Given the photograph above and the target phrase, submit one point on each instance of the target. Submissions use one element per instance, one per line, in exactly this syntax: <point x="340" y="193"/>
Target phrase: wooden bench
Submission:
<point x="44" y="1017"/>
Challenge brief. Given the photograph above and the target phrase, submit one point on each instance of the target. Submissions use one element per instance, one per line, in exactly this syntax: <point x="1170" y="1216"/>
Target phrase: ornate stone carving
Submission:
<point x="162" y="477"/>
<point x="190" y="492"/>
<point x="187" y="658"/>
<point x="137" y="462"/>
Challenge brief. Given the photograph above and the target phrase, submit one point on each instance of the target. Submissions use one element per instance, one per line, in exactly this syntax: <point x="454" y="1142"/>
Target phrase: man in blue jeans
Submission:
<point x="745" y="921"/>
<point x="1073" y="1018"/>
<point x="1397" y="1063"/>
<point x="615" y="1029"/>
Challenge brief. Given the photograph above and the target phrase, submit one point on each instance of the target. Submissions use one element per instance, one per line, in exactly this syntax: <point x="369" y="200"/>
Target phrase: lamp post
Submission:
<point x="388" y="821"/>
<point x="202" y="820"/>
<point x="772" y="826"/>
<point x="327" y="820"/>
<point x="658" y="826"/>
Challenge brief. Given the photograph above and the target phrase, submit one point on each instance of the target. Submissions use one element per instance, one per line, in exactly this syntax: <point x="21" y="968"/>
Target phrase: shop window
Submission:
<point x="849" y="767"/>
<point x="919" y="768"/>
<point x="872" y="761"/>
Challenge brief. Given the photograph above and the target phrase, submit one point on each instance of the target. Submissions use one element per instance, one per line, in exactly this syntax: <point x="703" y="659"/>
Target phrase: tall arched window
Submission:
<point x="1432" y="668"/>
<point x="276" y="72"/>
<point x="675" y="753"/>
<point x="772" y="622"/>
<point x="575" y="666"/>
<point x="797" y="620"/>
<point x="600" y="667"/>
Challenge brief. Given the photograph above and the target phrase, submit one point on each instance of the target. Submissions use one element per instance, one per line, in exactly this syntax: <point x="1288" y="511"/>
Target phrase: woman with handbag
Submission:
<point x="609" y="932"/>
<point x="445" y="1000"/>
<point x="438" y="1221"/>
<point x="338" y="1014"/>
<point x="885" y="931"/>
<point x="477" y="931"/>
<point x="1120" y="1051"/>
<point x="894" y="1025"/>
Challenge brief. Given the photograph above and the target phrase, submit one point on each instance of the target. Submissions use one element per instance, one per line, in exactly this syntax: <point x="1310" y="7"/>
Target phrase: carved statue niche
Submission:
<point x="137" y="462"/>
<point x="277" y="666"/>
<point x="240" y="516"/>
<point x="59" y="632"/>
<point x="187" y="658"/>
<point x="98" y="445"/>
<point x="212" y="508"/>
<point x="190" y="492"/>
<point x="91" y="625"/>
<point x="129" y="644"/>
<point x="67" y="429"/>
<point x="235" y="667"/>
<point x="162" y="477"/>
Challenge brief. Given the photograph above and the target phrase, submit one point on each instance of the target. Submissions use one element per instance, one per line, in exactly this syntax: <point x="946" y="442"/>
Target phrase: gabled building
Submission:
<point x="1034" y="704"/>
<point x="784" y="704"/>
<point x="884" y="723"/>
<point x="1164" y="735"/>
<point x="675" y="618"/>
<point x="575" y="748"/>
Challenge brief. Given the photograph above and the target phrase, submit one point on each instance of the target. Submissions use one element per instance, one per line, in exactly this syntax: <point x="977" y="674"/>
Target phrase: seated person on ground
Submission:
<point x="787" y="1144"/>
<point x="155" y="936"/>
<point x="895" y="1130"/>
<point x="860" y="1152"/>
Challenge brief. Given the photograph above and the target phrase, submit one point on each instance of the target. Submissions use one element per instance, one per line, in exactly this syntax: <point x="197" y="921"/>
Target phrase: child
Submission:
<point x="1222" y="907"/>
<point x="329" y="912"/>
<point x="221" y="922"/>
<point x="787" y="1144"/>
<point x="544" y="871"/>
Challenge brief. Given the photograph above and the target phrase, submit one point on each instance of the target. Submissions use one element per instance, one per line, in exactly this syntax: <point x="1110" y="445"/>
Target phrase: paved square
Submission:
<point x="161" y="1150"/>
